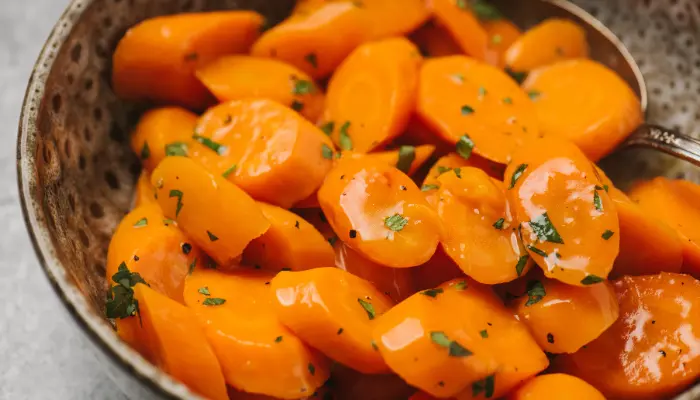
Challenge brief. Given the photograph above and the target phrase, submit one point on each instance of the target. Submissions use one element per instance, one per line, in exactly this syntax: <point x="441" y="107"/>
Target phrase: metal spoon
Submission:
<point x="609" y="50"/>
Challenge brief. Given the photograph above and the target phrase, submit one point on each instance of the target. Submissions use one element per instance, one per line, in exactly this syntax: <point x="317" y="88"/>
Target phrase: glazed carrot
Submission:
<point x="268" y="150"/>
<point x="438" y="270"/>
<point x="333" y="311"/>
<point x="307" y="6"/>
<point x="463" y="25"/>
<point x="145" y="192"/>
<point x="603" y="111"/>
<point x="555" y="386"/>
<point x="460" y="96"/>
<point x="291" y="243"/>
<point x="386" y="18"/>
<point x="563" y="318"/>
<point x="379" y="212"/>
<point x="547" y="43"/>
<point x="433" y="40"/>
<point x="161" y="132"/>
<point x="501" y="34"/>
<point x="479" y="350"/>
<point x="352" y="385"/>
<point x="651" y="351"/>
<point x="315" y="42"/>
<point x="251" y="288"/>
<point x="217" y="215"/>
<point x="156" y="59"/>
<point x="372" y="94"/>
<point x="240" y="77"/>
<point x="569" y="223"/>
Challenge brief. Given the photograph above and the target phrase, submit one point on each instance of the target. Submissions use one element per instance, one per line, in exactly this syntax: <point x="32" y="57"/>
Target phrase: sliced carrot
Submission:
<point x="451" y="161"/>
<point x="333" y="311"/>
<point x="352" y="385"/>
<point x="501" y="35"/>
<point x="372" y="94"/>
<point x="218" y="216"/>
<point x="550" y="41"/>
<point x="586" y="103"/>
<point x="569" y="223"/>
<point x="463" y="25"/>
<point x="460" y="96"/>
<point x="379" y="212"/>
<point x="651" y="352"/>
<point x="161" y="132"/>
<point x="145" y="192"/>
<point x="554" y="387"/>
<point x="315" y="42"/>
<point x="241" y="77"/>
<point x="386" y="18"/>
<point x="307" y="6"/>
<point x="438" y="270"/>
<point x="433" y="40"/>
<point x="268" y="150"/>
<point x="157" y="58"/>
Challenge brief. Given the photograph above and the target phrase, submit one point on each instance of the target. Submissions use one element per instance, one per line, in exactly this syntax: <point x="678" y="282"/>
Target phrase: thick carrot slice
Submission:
<point x="433" y="40"/>
<point x="241" y="77"/>
<point x="352" y="385"/>
<point x="585" y="102"/>
<point x="563" y="318"/>
<point x="458" y="95"/>
<point x="386" y="18"/>
<point x="501" y="34"/>
<point x="438" y="270"/>
<point x="652" y="349"/>
<point x="218" y="216"/>
<point x="547" y="43"/>
<point x="251" y="288"/>
<point x="268" y="150"/>
<point x="372" y="94"/>
<point x="162" y="132"/>
<point x="307" y="6"/>
<point x="291" y="243"/>
<point x="145" y="192"/>
<point x="315" y="42"/>
<point x="554" y="387"/>
<point x="333" y="311"/>
<point x="379" y="212"/>
<point x="568" y="221"/>
<point x="463" y="25"/>
<point x="157" y="58"/>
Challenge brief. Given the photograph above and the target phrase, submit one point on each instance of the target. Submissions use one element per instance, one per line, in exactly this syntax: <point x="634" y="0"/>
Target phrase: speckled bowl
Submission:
<point x="76" y="172"/>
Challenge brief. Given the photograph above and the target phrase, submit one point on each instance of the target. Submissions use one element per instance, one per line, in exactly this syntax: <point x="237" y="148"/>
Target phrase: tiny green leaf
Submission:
<point x="432" y="292"/>
<point x="516" y="175"/>
<point x="607" y="234"/>
<point x="591" y="280"/>
<point x="485" y="386"/>
<point x="311" y="59"/>
<point x="466" y="110"/>
<point x="545" y="230"/>
<point x="496" y="39"/>
<point x="278" y="339"/>
<point x="429" y="187"/>
<point x="229" y="171"/>
<point x="441" y="169"/>
<point x="328" y="127"/>
<point x="369" y="308"/>
<point x="499" y="224"/>
<point x="507" y="100"/>
<point x="461" y="285"/>
<point x="219" y="148"/>
<point x="302" y="87"/>
<point x="192" y="266"/>
<point x="440" y="339"/>
<point x="537" y="251"/>
<point x="606" y="188"/>
<point x="533" y="94"/>
<point x="517" y="76"/>
<point x="344" y="139"/>
<point x="204" y="290"/>
<point x="482" y="91"/>
<point x="407" y="154"/>
<point x="458" y="172"/>
<point x="297" y="105"/>
<point x="597" y="202"/>
<point x="326" y="152"/>
<point x="213" y="301"/>
<point x="455" y="349"/>
<point x="485" y="11"/>
<point x="312" y="369"/>
<point x="178" y="194"/>
<point x="535" y="293"/>
<point x="212" y="237"/>
<point x="522" y="262"/>
<point x="176" y="149"/>
<point x="141" y="222"/>
<point x="145" y="151"/>
<point x="484" y="334"/>
<point x="465" y="145"/>
<point x="396" y="222"/>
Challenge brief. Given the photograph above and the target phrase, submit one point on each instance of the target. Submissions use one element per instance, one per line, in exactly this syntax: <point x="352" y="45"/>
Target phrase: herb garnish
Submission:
<point x="278" y="339"/>
<point x="516" y="175"/>
<point x="212" y="237"/>
<point x="465" y="145"/>
<point x="537" y="251"/>
<point x="607" y="234"/>
<point x="141" y="222"/>
<point x="535" y="293"/>
<point x="597" y="202"/>
<point x="311" y="59"/>
<point x="344" y="139"/>
<point x="455" y="349"/>
<point x="484" y="334"/>
<point x="204" y="290"/>
<point x="302" y="87"/>
<point x="229" y="171"/>
<point x="326" y="152"/>
<point x="466" y="110"/>
<point x="429" y="187"/>
<point x="312" y="369"/>
<point x="217" y="147"/>
<point x="461" y="285"/>
<point x="520" y="266"/>
<point x="545" y="230"/>
<point x="499" y="224"/>
<point x="533" y="94"/>
<point x="517" y="76"/>
<point x="121" y="302"/>
<point x="369" y="308"/>
<point x="407" y="154"/>
<point x="176" y="149"/>
<point x="178" y="194"/>
<point x="591" y="280"/>
<point x="396" y="222"/>
<point x="432" y="292"/>
<point x="297" y="105"/>
<point x="485" y="385"/>
<point x="458" y="172"/>
<point x="328" y="127"/>
<point x="213" y="301"/>
<point x="145" y="151"/>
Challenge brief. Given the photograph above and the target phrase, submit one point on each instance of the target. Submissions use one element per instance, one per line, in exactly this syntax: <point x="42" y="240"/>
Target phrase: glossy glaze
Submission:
<point x="555" y="387"/>
<point x="547" y="43"/>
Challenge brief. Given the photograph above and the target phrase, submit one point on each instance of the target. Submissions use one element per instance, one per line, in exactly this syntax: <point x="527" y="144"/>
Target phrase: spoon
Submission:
<point x="607" y="49"/>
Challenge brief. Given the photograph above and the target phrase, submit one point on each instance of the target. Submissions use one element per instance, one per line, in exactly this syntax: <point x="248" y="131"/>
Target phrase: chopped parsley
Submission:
<point x="396" y="222"/>
<point x="465" y="145"/>
<point x="461" y="285"/>
<point x="213" y="301"/>
<point x="212" y="237"/>
<point x="455" y="349"/>
<point x="591" y="280"/>
<point x="145" y="151"/>
<point x="516" y="175"/>
<point x="441" y="169"/>
<point x="550" y="338"/>
<point x="484" y="334"/>
<point x="297" y="105"/>
<point x="522" y="262"/>
<point x="176" y="149"/>
<point x="499" y="224"/>
<point x="369" y="308"/>
<point x="326" y="152"/>
<point x="302" y="87"/>
<point x="545" y="230"/>
<point x="374" y="345"/>
<point x="407" y="154"/>
<point x="278" y="339"/>
<point x="328" y="127"/>
<point x="178" y="194"/>
<point x="432" y="292"/>
<point x="229" y="171"/>
<point x="607" y="234"/>
<point x="535" y="293"/>
<point x="217" y="147"/>
<point x="482" y="91"/>
<point x="485" y="386"/>
<point x="192" y="266"/>
<point x="141" y="222"/>
<point x="457" y="78"/>
<point x="507" y="100"/>
<point x="344" y="139"/>
<point x="312" y="369"/>
<point x="458" y="172"/>
<point x="204" y="290"/>
<point x="466" y="110"/>
<point x="428" y="187"/>
<point x="537" y="251"/>
<point x="517" y="76"/>
<point x="533" y="94"/>
<point x="121" y="302"/>
<point x="597" y="202"/>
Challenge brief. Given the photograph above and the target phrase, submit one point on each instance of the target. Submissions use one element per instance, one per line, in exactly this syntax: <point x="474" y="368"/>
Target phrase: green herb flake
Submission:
<point x="312" y="59"/>
<point x="591" y="280"/>
<point x="192" y="266"/>
<point x="344" y="139"/>
<point x="507" y="100"/>
<point x="219" y="148"/>
<point x="545" y="230"/>
<point x="485" y="386"/>
<point x="145" y="151"/>
<point x="607" y="234"/>
<point x="396" y="222"/>
<point x="485" y="11"/>
<point x="499" y="224"/>
<point x="465" y="145"/>
<point x="178" y="149"/>
<point x="516" y="175"/>
<point x="517" y="76"/>
<point x="204" y="290"/>
<point x="297" y="105"/>
<point x="326" y="152"/>
<point x="407" y="154"/>
<point x="229" y="171"/>
<point x="462" y="4"/>
<point x="429" y="187"/>
<point x="432" y="292"/>
<point x="533" y="94"/>
<point x="178" y="194"/>
<point x="457" y="78"/>
<point x="302" y="87"/>
<point x="455" y="349"/>
<point x="606" y="188"/>
<point x="212" y="237"/>
<point x="522" y="262"/>
<point x="441" y="169"/>
<point x="537" y="251"/>
<point x="535" y="293"/>
<point x="461" y="285"/>
<point x="213" y="301"/>
<point x="458" y="172"/>
<point x="597" y="202"/>
<point x="482" y="91"/>
<point x="374" y="345"/>
<point x="332" y="240"/>
<point x="496" y="39"/>
<point x="141" y="222"/>
<point x="278" y="339"/>
<point x="312" y="369"/>
<point x="466" y="110"/>
<point x="328" y="127"/>
<point x="369" y="308"/>
<point x="121" y="302"/>
<point x="484" y="334"/>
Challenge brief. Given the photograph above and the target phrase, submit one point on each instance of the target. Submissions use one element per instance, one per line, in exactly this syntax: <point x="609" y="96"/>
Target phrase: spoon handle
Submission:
<point x="667" y="141"/>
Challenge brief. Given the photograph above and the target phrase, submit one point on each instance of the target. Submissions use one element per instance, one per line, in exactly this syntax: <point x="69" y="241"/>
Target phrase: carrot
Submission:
<point x="156" y="59"/>
<point x="145" y="192"/>
<point x="438" y="270"/>
<point x="251" y="288"/>
<point x="481" y="350"/>
<point x="563" y="318"/>
<point x="568" y="221"/>
<point x="501" y="35"/>
<point x="315" y="42"/>
<point x="268" y="150"/>
<point x="291" y="243"/>
<point x="379" y="212"/>
<point x="371" y="96"/>
<point x="218" y="216"/>
<point x="651" y="350"/>
<point x="458" y="18"/>
<point x="460" y="97"/>
<point x="162" y="132"/>
<point x="548" y="42"/>
<point x="386" y="18"/>
<point x="433" y="40"/>
<point x="240" y="77"/>
<point x="308" y="6"/>
<point x="333" y="311"/>
<point x="352" y="385"/>
<point x="555" y="386"/>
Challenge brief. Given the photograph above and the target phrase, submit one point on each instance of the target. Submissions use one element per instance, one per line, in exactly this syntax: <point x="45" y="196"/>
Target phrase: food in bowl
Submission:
<point x="394" y="200"/>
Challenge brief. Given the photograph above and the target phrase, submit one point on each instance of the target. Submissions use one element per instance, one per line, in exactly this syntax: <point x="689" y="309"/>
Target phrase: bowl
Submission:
<point x="76" y="173"/>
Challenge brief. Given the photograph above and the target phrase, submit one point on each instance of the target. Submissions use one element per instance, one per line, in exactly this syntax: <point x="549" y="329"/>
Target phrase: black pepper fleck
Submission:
<point x="136" y="258"/>
<point x="353" y="234"/>
<point x="186" y="248"/>
<point x="550" y="338"/>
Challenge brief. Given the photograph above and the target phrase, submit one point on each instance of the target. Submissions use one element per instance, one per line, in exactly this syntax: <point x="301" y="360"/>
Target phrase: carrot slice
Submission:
<point x="458" y="95"/>
<point x="145" y="192"/>
<point x="268" y="150"/>
<point x="162" y="132"/>
<point x="157" y="58"/>
<point x="372" y="94"/>
<point x="550" y="41"/>
<point x="585" y="102"/>
<point x="315" y="42"/>
<point x="240" y="77"/>
<point x="352" y="385"/>
<point x="651" y="350"/>
<point x="451" y="161"/>
<point x="291" y="243"/>
<point x="218" y="216"/>
<point x="556" y="386"/>
<point x="501" y="34"/>
<point x="569" y="223"/>
<point x="380" y="212"/>
<point x="462" y="23"/>
<point x="386" y="18"/>
<point x="433" y="40"/>
<point x="307" y="6"/>
<point x="333" y="311"/>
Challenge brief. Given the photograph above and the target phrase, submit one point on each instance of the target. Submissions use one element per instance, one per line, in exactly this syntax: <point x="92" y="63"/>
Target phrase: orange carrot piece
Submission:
<point x="157" y="58"/>
<point x="501" y="34"/>
<point x="386" y="18"/>
<point x="145" y="192"/>
<point x="433" y="40"/>
<point x="464" y="26"/>
<point x="162" y="132"/>
<point x="554" y="387"/>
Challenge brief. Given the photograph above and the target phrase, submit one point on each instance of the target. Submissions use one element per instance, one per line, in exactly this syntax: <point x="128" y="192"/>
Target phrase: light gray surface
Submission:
<point x="43" y="354"/>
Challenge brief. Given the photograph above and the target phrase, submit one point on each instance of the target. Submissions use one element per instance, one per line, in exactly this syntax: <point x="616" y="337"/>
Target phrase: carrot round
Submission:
<point x="385" y="18"/>
<point x="651" y="350"/>
<point x="240" y="77"/>
<point x="460" y="96"/>
<point x="218" y="216"/>
<point x="463" y="25"/>
<point x="433" y="40"/>
<point x="379" y="212"/>
<point x="162" y="132"/>
<point x="586" y="103"/>
<point x="371" y="96"/>
<point x="267" y="149"/>
<point x="156" y="59"/>
<point x="554" y="387"/>
<point x="333" y="311"/>
<point x="145" y="192"/>
<point x="567" y="220"/>
<point x="547" y="43"/>
<point x="501" y="35"/>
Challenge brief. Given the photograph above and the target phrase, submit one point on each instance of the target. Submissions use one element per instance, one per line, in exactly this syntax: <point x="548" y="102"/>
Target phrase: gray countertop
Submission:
<point x="43" y="353"/>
